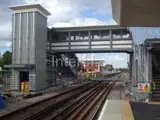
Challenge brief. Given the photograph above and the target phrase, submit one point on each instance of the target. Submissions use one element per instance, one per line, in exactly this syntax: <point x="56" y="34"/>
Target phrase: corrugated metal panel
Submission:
<point x="24" y="38"/>
<point x="13" y="40"/>
<point x="17" y="50"/>
<point x="31" y="39"/>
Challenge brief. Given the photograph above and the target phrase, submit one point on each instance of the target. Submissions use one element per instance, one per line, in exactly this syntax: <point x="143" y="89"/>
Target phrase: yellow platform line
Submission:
<point x="157" y="103"/>
<point x="126" y="111"/>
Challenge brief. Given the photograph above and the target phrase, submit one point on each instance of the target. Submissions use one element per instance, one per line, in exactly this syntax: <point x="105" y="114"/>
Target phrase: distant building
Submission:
<point x="108" y="67"/>
<point x="93" y="65"/>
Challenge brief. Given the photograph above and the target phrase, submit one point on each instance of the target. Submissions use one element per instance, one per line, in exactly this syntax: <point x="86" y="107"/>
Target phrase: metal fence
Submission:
<point x="5" y="77"/>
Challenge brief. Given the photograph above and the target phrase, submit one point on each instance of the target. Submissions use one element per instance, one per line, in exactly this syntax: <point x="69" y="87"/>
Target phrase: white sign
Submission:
<point x="143" y="87"/>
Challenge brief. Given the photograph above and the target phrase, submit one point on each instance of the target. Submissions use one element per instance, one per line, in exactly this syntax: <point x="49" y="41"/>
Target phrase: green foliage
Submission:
<point x="6" y="59"/>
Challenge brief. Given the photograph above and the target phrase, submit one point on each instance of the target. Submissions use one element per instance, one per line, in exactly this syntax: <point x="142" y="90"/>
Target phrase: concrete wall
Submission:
<point x="116" y="10"/>
<point x="141" y="65"/>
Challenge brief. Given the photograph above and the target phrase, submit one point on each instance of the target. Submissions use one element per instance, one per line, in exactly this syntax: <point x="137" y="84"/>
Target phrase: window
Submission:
<point x="84" y="35"/>
<point x="74" y="35"/>
<point x="95" y="35"/>
<point x="105" y="34"/>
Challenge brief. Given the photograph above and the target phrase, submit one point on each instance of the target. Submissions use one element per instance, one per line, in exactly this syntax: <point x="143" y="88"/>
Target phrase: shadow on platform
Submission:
<point x="145" y="111"/>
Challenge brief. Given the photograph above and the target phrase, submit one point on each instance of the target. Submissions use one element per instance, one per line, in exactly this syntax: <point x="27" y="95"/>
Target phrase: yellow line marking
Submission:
<point x="126" y="111"/>
<point x="157" y="103"/>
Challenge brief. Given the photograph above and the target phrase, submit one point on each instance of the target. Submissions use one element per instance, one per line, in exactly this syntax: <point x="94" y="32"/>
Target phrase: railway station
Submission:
<point x="43" y="56"/>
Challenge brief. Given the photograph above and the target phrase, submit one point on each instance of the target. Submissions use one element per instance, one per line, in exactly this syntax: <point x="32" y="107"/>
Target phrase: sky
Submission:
<point x="65" y="13"/>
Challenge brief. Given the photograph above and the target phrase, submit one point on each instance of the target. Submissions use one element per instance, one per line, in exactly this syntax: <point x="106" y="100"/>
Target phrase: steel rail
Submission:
<point x="68" y="110"/>
<point x="15" y="113"/>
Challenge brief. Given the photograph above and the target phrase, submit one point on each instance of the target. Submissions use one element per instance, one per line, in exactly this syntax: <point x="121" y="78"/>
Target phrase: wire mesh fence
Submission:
<point x="5" y="77"/>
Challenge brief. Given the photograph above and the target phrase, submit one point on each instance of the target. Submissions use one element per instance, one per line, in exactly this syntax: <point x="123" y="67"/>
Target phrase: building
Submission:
<point x="108" y="67"/>
<point x="32" y="62"/>
<point x="142" y="17"/>
<point x="93" y="65"/>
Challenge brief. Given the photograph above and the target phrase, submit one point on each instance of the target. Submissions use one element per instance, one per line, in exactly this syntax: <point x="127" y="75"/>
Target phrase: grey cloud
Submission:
<point x="5" y="18"/>
<point x="5" y="12"/>
<point x="63" y="11"/>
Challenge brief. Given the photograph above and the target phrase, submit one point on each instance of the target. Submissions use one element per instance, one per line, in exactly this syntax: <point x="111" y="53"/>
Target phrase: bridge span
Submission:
<point x="107" y="38"/>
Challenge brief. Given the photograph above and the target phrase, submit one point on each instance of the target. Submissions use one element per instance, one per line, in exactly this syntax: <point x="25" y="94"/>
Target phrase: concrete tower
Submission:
<point x="29" y="46"/>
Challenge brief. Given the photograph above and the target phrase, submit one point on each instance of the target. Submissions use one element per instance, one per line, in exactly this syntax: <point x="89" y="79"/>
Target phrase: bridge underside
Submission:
<point x="136" y="13"/>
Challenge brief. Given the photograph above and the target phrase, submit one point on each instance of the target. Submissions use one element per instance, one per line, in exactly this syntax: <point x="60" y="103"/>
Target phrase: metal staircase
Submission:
<point x="72" y="67"/>
<point x="156" y="76"/>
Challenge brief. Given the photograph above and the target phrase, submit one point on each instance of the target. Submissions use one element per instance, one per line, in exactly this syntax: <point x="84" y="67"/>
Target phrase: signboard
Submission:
<point x="144" y="87"/>
<point x="140" y="87"/>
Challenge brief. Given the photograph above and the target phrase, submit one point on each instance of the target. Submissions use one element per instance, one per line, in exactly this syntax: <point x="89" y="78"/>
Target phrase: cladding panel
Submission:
<point x="17" y="42"/>
<point x="24" y="38"/>
<point x="31" y="38"/>
<point x="13" y="39"/>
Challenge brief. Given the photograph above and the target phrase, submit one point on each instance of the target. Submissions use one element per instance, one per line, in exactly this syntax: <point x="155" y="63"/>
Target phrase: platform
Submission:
<point x="125" y="110"/>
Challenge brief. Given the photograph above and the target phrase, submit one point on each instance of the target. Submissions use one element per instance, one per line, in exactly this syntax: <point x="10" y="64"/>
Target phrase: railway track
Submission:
<point x="27" y="112"/>
<point x="79" y="108"/>
<point x="89" y="110"/>
<point x="83" y="103"/>
<point x="65" y="106"/>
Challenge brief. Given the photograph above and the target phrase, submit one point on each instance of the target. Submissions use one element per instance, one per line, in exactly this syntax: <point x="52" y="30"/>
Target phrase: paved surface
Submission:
<point x="125" y="110"/>
<point x="112" y="79"/>
<point x="111" y="110"/>
<point x="117" y="92"/>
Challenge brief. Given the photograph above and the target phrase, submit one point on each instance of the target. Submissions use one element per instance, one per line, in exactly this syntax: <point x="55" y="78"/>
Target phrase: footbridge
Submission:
<point x="105" y="38"/>
<point x="36" y="49"/>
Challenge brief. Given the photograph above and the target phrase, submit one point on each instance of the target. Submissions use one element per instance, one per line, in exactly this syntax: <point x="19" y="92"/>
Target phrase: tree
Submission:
<point x="6" y="59"/>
